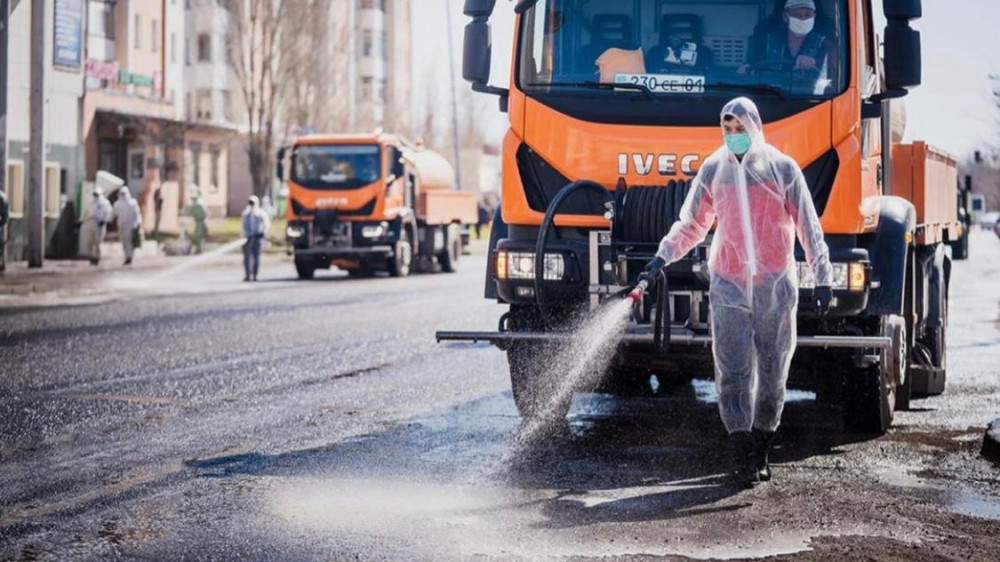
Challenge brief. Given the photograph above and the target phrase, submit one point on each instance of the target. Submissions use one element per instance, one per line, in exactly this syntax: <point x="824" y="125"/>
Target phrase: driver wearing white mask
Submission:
<point x="791" y="44"/>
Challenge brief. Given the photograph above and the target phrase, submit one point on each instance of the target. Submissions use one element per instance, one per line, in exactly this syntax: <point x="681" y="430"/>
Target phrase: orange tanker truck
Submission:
<point x="376" y="202"/>
<point x="614" y="104"/>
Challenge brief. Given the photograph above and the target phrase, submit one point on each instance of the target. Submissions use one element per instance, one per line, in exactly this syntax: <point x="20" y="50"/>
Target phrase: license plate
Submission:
<point x="665" y="83"/>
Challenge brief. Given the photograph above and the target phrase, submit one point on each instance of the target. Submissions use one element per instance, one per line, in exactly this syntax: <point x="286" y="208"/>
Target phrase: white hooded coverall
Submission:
<point x="127" y="216"/>
<point x="759" y="203"/>
<point x="95" y="220"/>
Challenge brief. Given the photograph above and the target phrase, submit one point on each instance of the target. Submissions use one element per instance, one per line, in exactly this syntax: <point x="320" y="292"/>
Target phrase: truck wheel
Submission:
<point x="402" y="257"/>
<point x="895" y="359"/>
<point x="535" y="390"/>
<point x="960" y="247"/>
<point x="306" y="270"/>
<point x="870" y="395"/>
<point x="448" y="258"/>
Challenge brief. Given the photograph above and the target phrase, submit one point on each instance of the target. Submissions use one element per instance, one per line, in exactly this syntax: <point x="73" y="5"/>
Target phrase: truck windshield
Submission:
<point x="335" y="166"/>
<point x="674" y="48"/>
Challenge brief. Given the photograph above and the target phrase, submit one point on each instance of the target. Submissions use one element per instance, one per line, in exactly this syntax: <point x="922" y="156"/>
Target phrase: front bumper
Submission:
<point x="687" y="275"/>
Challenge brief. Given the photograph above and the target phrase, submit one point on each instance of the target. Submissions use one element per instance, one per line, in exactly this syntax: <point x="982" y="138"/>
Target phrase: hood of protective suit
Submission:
<point x="745" y="111"/>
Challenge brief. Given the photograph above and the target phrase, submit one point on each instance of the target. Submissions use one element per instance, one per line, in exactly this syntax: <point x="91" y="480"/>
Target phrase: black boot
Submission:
<point x="744" y="471"/>
<point x="762" y="444"/>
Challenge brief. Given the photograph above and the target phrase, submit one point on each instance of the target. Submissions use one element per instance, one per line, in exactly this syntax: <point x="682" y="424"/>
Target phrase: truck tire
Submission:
<point x="895" y="359"/>
<point x="448" y="258"/>
<point x="960" y="247"/>
<point x="869" y="400"/>
<point x="402" y="256"/>
<point x="305" y="269"/>
<point x="536" y="391"/>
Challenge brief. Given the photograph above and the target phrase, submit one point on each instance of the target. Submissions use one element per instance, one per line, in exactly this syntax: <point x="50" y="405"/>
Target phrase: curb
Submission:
<point x="991" y="442"/>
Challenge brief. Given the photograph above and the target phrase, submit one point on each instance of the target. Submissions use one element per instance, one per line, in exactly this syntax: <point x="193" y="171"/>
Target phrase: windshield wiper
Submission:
<point x="762" y="88"/>
<point x="605" y="86"/>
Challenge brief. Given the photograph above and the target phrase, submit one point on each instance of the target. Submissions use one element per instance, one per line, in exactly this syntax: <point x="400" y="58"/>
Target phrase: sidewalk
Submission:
<point x="79" y="277"/>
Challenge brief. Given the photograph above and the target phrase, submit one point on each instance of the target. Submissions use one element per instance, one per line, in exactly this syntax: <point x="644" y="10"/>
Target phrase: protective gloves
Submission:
<point x="652" y="270"/>
<point x="822" y="297"/>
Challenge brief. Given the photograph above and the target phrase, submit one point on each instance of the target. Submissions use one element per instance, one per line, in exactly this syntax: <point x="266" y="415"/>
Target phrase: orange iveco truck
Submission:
<point x="367" y="203"/>
<point x="613" y="106"/>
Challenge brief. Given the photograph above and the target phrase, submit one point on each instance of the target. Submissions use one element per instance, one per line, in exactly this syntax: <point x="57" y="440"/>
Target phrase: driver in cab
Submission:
<point x="791" y="43"/>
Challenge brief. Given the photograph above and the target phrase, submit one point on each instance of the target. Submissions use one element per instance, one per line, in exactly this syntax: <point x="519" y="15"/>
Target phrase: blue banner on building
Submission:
<point x="67" y="40"/>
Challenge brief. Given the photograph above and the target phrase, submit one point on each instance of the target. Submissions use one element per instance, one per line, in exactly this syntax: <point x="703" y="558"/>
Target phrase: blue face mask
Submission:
<point x="738" y="143"/>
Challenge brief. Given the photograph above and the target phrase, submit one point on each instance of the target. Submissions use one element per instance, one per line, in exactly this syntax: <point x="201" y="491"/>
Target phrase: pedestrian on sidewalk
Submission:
<point x="759" y="201"/>
<point x="4" y="217"/>
<point x="127" y="216"/>
<point x="94" y="227"/>
<point x="256" y="225"/>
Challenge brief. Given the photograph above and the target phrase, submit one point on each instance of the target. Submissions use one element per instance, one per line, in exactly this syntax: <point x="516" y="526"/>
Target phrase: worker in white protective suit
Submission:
<point x="256" y="225"/>
<point x="759" y="200"/>
<point x="126" y="210"/>
<point x="95" y="221"/>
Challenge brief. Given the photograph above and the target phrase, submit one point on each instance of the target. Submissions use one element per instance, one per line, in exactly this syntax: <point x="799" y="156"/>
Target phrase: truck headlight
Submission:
<point x="373" y="231"/>
<point x="294" y="231"/>
<point x="521" y="265"/>
<point x="846" y="276"/>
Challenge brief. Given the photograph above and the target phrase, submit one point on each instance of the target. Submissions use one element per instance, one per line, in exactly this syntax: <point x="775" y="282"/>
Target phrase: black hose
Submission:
<point x="661" y="322"/>
<point x="543" y="233"/>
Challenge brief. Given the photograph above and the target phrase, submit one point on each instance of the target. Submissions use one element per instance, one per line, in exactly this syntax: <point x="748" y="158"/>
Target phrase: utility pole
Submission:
<point x="454" y="96"/>
<point x="36" y="147"/>
<point x="4" y="26"/>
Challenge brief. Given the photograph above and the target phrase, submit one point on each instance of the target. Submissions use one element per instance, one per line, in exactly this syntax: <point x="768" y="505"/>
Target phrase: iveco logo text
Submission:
<point x="331" y="201"/>
<point x="666" y="164"/>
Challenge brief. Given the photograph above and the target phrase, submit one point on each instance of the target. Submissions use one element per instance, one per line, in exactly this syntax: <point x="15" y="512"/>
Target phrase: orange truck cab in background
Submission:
<point x="642" y="129"/>
<point x="373" y="202"/>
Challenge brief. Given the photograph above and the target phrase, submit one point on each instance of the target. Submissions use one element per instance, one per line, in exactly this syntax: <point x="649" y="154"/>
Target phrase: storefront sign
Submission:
<point x="102" y="70"/>
<point x="67" y="38"/>
<point x="125" y="77"/>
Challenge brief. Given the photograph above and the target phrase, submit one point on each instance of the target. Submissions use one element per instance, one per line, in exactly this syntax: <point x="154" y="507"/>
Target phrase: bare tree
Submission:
<point x="254" y="50"/>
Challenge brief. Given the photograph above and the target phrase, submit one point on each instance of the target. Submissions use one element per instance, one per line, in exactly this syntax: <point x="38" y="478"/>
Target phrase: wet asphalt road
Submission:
<point x="191" y="416"/>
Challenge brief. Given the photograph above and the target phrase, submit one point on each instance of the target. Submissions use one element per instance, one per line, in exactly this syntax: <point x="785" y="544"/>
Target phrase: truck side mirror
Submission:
<point x="477" y="52"/>
<point x="902" y="9"/>
<point x="279" y="167"/>
<point x="479" y="8"/>
<point x="902" y="56"/>
<point x="477" y="49"/>
<point x="902" y="46"/>
<point x="397" y="163"/>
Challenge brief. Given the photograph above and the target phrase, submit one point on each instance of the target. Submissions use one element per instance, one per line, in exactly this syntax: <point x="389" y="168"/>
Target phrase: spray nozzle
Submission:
<point x="639" y="291"/>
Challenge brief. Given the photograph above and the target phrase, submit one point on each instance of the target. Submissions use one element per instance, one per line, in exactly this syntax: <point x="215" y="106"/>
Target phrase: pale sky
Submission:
<point x="961" y="48"/>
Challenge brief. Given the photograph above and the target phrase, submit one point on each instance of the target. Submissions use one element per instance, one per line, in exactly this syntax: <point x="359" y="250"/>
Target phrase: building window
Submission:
<point x="15" y="187"/>
<point x="203" y="108"/>
<point x="173" y="47"/>
<point x="204" y="48"/>
<point x="196" y="165"/>
<point x="155" y="42"/>
<point x="366" y="88"/>
<point x="216" y="157"/>
<point x="137" y="28"/>
<point x="373" y="4"/>
<point x="366" y="43"/>
<point x="53" y="176"/>
<point x="187" y="53"/>
<point x="101" y="20"/>
<point x="383" y="44"/>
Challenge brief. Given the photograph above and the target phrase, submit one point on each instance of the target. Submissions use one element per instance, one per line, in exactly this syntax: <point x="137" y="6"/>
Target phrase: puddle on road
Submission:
<point x="967" y="502"/>
<point x="444" y="521"/>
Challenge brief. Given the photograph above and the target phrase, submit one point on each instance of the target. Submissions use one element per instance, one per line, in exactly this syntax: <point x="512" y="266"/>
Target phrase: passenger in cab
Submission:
<point x="795" y="42"/>
<point x="680" y="50"/>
